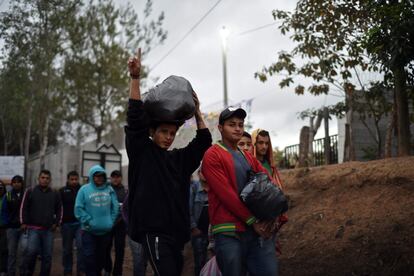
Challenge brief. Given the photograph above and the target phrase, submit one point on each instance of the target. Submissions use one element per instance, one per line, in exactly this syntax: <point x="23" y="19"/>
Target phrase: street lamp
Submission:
<point x="224" y="33"/>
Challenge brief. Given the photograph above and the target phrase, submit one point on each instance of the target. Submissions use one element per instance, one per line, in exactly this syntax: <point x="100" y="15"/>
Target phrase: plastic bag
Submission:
<point x="170" y="101"/>
<point x="263" y="198"/>
<point x="210" y="268"/>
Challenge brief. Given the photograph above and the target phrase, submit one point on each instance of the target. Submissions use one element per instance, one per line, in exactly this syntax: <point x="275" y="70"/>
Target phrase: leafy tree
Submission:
<point x="101" y="40"/>
<point x="390" y="41"/>
<point x="333" y="38"/>
<point x="33" y="34"/>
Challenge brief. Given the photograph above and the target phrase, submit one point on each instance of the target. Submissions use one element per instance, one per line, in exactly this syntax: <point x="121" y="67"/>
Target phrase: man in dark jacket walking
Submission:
<point x="159" y="180"/>
<point x="118" y="233"/>
<point x="40" y="214"/>
<point x="10" y="213"/>
<point x="70" y="228"/>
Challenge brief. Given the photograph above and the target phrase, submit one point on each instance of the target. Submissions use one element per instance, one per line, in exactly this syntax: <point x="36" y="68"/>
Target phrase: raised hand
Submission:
<point x="134" y="65"/>
<point x="134" y="68"/>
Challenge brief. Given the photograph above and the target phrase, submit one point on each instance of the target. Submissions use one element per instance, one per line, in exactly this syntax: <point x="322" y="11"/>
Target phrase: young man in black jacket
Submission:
<point x="41" y="213"/>
<point x="159" y="180"/>
<point x="10" y="213"/>
<point x="70" y="228"/>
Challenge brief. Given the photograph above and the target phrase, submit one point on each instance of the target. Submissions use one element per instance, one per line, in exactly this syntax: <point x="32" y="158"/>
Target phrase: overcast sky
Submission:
<point x="199" y="60"/>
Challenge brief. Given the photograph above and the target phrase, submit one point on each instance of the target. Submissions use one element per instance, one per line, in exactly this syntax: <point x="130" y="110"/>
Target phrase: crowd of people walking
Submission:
<point x="172" y="197"/>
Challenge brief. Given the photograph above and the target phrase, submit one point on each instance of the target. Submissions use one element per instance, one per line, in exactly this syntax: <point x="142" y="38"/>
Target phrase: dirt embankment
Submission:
<point x="350" y="219"/>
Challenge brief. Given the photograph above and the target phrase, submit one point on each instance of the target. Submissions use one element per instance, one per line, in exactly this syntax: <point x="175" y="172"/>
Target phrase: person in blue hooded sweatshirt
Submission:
<point x="96" y="208"/>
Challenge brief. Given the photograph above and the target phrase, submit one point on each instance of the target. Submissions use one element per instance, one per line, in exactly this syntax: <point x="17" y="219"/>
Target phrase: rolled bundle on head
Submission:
<point x="170" y="101"/>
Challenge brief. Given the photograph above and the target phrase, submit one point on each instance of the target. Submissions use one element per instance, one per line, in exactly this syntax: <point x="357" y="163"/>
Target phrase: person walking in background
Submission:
<point x="10" y="213"/>
<point x="139" y="258"/>
<point x="241" y="243"/>
<point x="40" y="215"/>
<point x="263" y="151"/>
<point x="70" y="228"/>
<point x="96" y="208"/>
<point x="118" y="233"/>
<point x="3" y="233"/>
<point x="199" y="221"/>
<point x="245" y="142"/>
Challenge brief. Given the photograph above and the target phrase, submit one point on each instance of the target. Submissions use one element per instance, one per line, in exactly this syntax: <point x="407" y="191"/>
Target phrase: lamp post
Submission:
<point x="224" y="33"/>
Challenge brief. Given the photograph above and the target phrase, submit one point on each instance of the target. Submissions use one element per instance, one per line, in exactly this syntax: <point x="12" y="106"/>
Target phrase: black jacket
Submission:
<point x="159" y="180"/>
<point x="12" y="203"/>
<point x="120" y="192"/>
<point x="41" y="208"/>
<point x="68" y="198"/>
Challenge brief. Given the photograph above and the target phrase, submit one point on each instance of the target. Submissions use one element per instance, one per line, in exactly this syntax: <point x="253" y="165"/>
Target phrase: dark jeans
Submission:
<point x="118" y="235"/>
<point x="94" y="250"/>
<point x="40" y="242"/>
<point x="14" y="235"/>
<point x="164" y="254"/>
<point x="138" y="257"/>
<point x="199" y="244"/>
<point x="245" y="252"/>
<point x="3" y="250"/>
<point x="71" y="232"/>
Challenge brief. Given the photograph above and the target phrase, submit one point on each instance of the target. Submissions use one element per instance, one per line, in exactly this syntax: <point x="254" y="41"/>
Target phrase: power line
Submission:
<point x="185" y="36"/>
<point x="257" y="28"/>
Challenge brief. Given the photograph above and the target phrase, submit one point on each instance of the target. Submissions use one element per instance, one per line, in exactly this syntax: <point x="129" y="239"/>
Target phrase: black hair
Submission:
<point x="72" y="173"/>
<point x="246" y="134"/>
<point x="264" y="133"/>
<point x="156" y="124"/>
<point x="17" y="178"/>
<point x="116" y="173"/>
<point x="47" y="172"/>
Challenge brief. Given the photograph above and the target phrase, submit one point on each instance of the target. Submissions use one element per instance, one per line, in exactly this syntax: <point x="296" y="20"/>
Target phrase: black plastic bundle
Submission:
<point x="170" y="101"/>
<point x="264" y="199"/>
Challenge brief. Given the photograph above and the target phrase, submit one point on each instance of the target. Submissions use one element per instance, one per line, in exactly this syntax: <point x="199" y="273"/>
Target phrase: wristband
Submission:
<point x="134" y="77"/>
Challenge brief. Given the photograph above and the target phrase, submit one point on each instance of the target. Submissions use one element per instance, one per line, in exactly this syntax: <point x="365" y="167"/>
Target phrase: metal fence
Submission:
<point x="291" y="153"/>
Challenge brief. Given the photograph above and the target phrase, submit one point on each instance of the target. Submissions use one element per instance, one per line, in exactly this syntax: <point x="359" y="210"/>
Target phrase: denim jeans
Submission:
<point x="94" y="252"/>
<point x="39" y="242"/>
<point x="245" y="252"/>
<point x="199" y="244"/>
<point x="71" y="232"/>
<point x="138" y="257"/>
<point x="14" y="236"/>
<point x="118" y="235"/>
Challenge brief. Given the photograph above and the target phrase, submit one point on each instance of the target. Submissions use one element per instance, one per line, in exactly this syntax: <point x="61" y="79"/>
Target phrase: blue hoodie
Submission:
<point x="96" y="207"/>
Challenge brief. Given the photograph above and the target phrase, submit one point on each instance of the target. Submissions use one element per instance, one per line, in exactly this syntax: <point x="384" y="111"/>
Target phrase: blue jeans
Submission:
<point x="94" y="252"/>
<point x="13" y="238"/>
<point x="138" y="257"/>
<point x="245" y="252"/>
<point x="40" y="242"/>
<point x="199" y="244"/>
<point x="70" y="232"/>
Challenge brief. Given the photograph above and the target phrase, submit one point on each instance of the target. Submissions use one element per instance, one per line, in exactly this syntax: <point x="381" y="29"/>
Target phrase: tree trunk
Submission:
<point x="27" y="138"/>
<point x="403" y="123"/>
<point x="313" y="129"/>
<point x="327" y="142"/>
<point x="303" y="147"/>
<point x="379" y="139"/>
<point x="43" y="146"/>
<point x="3" y="131"/>
<point x="312" y="133"/>
<point x="349" y="148"/>
<point x="98" y="136"/>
